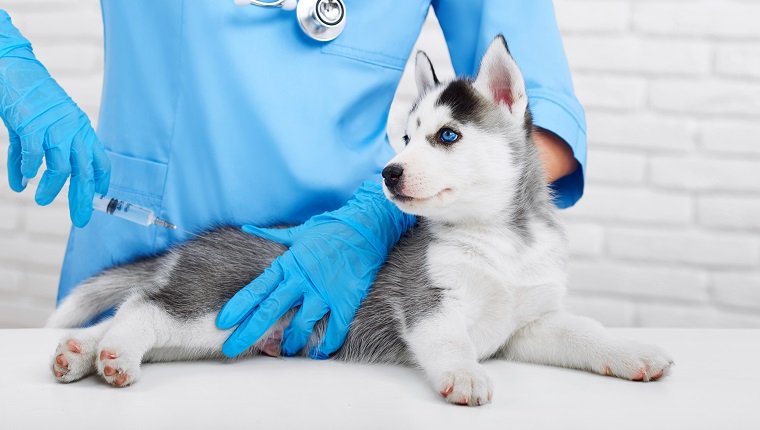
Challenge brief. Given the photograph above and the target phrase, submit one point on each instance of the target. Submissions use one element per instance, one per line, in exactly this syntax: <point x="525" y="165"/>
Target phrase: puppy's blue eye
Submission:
<point x="447" y="135"/>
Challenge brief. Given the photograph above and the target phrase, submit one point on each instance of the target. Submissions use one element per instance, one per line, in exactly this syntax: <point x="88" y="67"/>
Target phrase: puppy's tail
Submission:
<point x="104" y="291"/>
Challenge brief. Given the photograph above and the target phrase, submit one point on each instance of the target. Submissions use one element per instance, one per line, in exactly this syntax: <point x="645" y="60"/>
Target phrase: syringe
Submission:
<point x="128" y="211"/>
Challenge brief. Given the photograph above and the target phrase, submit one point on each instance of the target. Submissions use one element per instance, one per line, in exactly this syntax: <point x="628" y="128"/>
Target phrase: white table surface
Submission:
<point x="714" y="385"/>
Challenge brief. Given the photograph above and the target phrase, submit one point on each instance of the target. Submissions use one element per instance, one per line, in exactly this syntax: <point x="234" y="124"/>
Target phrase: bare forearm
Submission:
<point x="556" y="156"/>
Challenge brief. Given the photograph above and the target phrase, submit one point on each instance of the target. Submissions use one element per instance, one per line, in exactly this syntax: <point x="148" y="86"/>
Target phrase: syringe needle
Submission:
<point x="162" y="223"/>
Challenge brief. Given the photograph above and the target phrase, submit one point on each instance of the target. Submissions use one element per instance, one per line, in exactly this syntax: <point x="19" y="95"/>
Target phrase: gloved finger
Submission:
<point x="102" y="168"/>
<point x="15" y="178"/>
<point x="300" y="328"/>
<point x="31" y="154"/>
<point x="335" y="335"/>
<point x="82" y="186"/>
<point x="271" y="309"/>
<point x="245" y="300"/>
<point x="54" y="177"/>
<point x="284" y="236"/>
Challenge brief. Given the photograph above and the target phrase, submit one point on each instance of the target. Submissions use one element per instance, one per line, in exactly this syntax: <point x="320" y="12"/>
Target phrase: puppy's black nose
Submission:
<point x="392" y="175"/>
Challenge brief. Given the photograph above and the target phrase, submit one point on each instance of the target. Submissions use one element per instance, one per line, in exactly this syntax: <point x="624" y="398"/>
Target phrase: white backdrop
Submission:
<point x="668" y="233"/>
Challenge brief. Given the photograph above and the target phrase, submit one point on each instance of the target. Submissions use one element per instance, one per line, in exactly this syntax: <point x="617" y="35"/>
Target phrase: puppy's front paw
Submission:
<point x="469" y="385"/>
<point x="637" y="362"/>
<point x="73" y="360"/>
<point x="118" y="368"/>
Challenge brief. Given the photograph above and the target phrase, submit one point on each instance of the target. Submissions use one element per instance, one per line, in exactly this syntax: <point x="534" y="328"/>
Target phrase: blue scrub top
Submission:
<point x="214" y="114"/>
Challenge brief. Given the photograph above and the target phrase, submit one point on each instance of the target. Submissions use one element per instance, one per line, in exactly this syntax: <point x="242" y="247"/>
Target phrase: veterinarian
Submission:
<point x="214" y="114"/>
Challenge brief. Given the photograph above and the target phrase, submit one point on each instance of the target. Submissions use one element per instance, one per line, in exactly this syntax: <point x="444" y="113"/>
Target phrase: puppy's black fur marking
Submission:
<point x="464" y="101"/>
<point x="436" y="82"/>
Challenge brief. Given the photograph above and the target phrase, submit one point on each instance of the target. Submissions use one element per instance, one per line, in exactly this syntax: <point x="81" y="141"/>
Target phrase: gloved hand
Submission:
<point x="42" y="120"/>
<point x="332" y="262"/>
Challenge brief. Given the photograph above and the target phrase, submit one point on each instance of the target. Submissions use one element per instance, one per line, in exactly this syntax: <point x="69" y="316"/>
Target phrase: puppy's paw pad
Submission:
<point x="73" y="346"/>
<point x="118" y="369"/>
<point x="61" y="361"/>
<point x="107" y="355"/>
<point x="466" y="386"/>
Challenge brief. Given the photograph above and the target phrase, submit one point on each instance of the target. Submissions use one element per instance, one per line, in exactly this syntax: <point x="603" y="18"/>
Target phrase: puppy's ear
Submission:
<point x="424" y="74"/>
<point x="500" y="79"/>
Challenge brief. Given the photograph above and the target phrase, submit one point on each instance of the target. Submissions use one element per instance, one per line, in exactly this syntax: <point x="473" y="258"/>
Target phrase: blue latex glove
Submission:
<point x="332" y="262"/>
<point x="43" y="121"/>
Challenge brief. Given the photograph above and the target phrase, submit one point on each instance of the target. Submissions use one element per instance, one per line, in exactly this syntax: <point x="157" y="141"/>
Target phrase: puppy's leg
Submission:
<point x="74" y="357"/>
<point x="563" y="339"/>
<point x="133" y="331"/>
<point x="199" y="338"/>
<point x="444" y="350"/>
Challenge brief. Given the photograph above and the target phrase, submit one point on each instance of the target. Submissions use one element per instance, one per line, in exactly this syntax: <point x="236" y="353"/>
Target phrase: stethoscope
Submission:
<point x="322" y="20"/>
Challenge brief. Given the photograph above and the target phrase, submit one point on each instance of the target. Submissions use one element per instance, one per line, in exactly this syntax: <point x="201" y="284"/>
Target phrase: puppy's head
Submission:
<point x="462" y="141"/>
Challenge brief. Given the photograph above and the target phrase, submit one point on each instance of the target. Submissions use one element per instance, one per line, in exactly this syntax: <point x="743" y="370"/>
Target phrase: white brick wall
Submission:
<point x="672" y="207"/>
<point x="668" y="233"/>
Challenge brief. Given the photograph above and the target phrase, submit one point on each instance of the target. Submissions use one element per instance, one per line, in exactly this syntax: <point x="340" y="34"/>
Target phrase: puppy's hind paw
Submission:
<point x="638" y="362"/>
<point x="117" y="369"/>
<point x="469" y="386"/>
<point x="72" y="361"/>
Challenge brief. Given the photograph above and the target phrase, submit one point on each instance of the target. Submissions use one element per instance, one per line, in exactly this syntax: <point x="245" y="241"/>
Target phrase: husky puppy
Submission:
<point x="481" y="276"/>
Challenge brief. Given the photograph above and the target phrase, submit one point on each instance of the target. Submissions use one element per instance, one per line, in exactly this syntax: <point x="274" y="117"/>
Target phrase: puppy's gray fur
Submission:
<point x="481" y="275"/>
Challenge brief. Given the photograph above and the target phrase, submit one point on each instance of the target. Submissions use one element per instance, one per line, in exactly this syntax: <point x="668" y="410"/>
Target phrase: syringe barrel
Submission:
<point x="124" y="210"/>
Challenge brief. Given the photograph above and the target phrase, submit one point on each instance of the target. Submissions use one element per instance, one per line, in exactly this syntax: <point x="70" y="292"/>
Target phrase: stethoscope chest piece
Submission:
<point x="322" y="20"/>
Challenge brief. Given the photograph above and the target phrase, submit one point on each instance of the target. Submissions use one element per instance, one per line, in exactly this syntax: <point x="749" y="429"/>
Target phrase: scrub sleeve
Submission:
<point x="530" y="28"/>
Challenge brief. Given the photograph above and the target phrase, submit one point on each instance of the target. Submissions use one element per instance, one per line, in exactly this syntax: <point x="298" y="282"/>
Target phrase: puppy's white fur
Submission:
<point x="501" y="287"/>
<point x="505" y="291"/>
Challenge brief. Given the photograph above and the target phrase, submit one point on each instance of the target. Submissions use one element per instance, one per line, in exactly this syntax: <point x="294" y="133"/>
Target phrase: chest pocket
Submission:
<point x="380" y="32"/>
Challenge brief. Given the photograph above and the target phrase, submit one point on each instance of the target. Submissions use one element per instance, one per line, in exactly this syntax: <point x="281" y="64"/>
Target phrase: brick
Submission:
<point x="12" y="5"/>
<point x="69" y="24"/>
<point x="613" y="92"/>
<point x="740" y="60"/>
<point x="729" y="211"/>
<point x="630" y="280"/>
<point x="584" y="239"/>
<point x="710" y="97"/>
<point x="731" y="136"/>
<point x="616" y="167"/>
<point x="602" y="202"/>
<point x="702" y="173"/>
<point x="640" y="131"/>
<point x="43" y="254"/>
<point x="685" y="316"/>
<point x="10" y="217"/>
<point x="25" y="197"/>
<point x="634" y="55"/>
<point x="610" y="312"/>
<point x="42" y="286"/>
<point x="18" y="314"/>
<point x="10" y="279"/>
<point x="593" y="16"/>
<point x="48" y="221"/>
<point x="737" y="289"/>
<point x="694" y="247"/>
<point x="717" y="18"/>
<point x="58" y="58"/>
